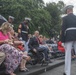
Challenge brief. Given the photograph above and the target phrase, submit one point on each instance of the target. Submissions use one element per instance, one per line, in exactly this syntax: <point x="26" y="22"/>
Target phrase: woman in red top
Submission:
<point x="60" y="47"/>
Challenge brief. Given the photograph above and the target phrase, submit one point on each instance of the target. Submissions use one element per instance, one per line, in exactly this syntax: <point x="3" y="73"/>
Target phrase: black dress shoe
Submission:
<point x="64" y="74"/>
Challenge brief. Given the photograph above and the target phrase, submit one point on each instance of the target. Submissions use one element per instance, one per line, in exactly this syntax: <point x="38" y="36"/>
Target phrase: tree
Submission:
<point x="61" y="5"/>
<point x="44" y="18"/>
<point x="41" y="20"/>
<point x="55" y="12"/>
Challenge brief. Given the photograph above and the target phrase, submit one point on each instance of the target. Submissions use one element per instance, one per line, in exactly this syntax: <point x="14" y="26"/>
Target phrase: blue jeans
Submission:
<point x="44" y="50"/>
<point x="25" y="46"/>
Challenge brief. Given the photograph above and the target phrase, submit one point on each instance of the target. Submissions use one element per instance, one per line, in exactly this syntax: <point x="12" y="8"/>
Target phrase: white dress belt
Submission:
<point x="24" y="32"/>
<point x="72" y="28"/>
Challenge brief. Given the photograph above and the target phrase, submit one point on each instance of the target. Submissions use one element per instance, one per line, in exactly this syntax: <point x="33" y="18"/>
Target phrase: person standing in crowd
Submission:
<point x="68" y="36"/>
<point x="10" y="19"/>
<point x="23" y="31"/>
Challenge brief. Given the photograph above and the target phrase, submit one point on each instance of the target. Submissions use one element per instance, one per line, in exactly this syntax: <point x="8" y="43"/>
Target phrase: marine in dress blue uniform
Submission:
<point x="68" y="36"/>
<point x="23" y="31"/>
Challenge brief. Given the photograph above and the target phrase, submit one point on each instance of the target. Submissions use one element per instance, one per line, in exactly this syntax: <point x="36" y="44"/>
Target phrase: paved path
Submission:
<point x="38" y="69"/>
<point x="59" y="70"/>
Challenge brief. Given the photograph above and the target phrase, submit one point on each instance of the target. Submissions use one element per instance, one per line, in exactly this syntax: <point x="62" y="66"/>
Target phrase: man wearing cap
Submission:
<point x="23" y="31"/>
<point x="10" y="19"/>
<point x="68" y="36"/>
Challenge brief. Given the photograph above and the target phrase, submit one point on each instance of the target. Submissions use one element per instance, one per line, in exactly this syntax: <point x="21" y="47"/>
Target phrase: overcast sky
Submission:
<point x="67" y="2"/>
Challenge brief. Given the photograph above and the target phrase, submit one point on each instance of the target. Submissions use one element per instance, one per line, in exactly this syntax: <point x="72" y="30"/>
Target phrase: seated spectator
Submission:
<point x="2" y="57"/>
<point x="43" y="44"/>
<point x="49" y="41"/>
<point x="34" y="46"/>
<point x="60" y="47"/>
<point x="13" y="57"/>
<point x="20" y="46"/>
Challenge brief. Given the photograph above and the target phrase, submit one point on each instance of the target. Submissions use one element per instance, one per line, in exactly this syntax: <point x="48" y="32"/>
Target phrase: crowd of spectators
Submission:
<point x="15" y="47"/>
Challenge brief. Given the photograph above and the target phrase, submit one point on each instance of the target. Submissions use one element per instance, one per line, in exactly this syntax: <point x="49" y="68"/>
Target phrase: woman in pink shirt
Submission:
<point x="13" y="57"/>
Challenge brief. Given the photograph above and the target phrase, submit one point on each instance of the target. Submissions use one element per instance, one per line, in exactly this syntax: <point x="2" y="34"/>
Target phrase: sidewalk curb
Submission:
<point x="47" y="68"/>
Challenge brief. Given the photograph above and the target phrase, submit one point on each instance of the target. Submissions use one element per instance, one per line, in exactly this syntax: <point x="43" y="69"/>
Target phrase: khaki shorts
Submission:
<point x="2" y="57"/>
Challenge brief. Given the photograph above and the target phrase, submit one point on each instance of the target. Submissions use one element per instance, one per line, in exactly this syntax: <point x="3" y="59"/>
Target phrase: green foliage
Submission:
<point x="44" y="18"/>
<point x="41" y="20"/>
<point x="55" y="10"/>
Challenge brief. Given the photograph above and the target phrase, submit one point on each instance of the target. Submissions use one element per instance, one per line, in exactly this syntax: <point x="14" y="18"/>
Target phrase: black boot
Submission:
<point x="64" y="74"/>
